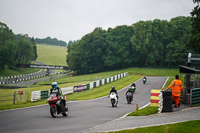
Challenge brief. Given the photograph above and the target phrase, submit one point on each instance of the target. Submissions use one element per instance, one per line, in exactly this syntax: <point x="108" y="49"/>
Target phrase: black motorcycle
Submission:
<point x="129" y="97"/>
<point x="144" y="80"/>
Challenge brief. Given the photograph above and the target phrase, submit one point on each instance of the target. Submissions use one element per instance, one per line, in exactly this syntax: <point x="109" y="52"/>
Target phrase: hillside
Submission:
<point x="51" y="55"/>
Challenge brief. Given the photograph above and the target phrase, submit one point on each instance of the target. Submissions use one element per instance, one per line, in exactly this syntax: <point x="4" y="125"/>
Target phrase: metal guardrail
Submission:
<point x="195" y="96"/>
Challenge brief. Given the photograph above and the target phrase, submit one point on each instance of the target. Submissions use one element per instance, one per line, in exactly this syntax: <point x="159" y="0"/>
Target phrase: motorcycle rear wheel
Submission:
<point x="113" y="102"/>
<point x="66" y="112"/>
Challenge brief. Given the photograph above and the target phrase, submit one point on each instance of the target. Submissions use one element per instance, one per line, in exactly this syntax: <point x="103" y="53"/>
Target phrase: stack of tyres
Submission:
<point x="167" y="101"/>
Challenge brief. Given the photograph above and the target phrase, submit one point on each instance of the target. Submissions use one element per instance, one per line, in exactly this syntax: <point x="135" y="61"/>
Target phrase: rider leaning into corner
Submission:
<point x="114" y="90"/>
<point x="56" y="90"/>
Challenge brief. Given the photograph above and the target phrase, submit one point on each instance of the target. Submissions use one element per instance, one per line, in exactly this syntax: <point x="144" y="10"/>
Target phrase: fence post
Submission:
<point x="27" y="96"/>
<point x="14" y="97"/>
<point x="191" y="97"/>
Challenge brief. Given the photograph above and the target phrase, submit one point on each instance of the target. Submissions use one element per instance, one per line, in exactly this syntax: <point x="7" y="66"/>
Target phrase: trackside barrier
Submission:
<point x="79" y="88"/>
<point x="154" y="97"/>
<point x="160" y="103"/>
<point x="67" y="90"/>
<point x="195" y="96"/>
<point x="17" y="76"/>
<point x="165" y="102"/>
<point x="44" y="94"/>
<point x="36" y="95"/>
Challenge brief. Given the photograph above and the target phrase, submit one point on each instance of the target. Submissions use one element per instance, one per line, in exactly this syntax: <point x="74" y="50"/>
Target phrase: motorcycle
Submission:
<point x="57" y="106"/>
<point x="129" y="97"/>
<point x="144" y="80"/>
<point x="113" y="99"/>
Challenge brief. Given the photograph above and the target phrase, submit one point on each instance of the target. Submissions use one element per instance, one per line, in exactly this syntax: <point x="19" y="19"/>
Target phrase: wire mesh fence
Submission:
<point x="17" y="97"/>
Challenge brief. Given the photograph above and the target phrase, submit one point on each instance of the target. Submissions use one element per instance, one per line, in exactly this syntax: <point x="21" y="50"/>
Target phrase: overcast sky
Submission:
<point x="72" y="19"/>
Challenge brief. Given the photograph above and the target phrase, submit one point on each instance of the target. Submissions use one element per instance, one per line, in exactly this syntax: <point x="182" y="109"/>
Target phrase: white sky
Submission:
<point x="72" y="19"/>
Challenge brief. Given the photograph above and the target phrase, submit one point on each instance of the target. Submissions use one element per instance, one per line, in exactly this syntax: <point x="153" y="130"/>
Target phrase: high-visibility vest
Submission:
<point x="176" y="86"/>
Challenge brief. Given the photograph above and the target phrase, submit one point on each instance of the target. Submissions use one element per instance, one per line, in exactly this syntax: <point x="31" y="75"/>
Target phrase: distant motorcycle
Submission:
<point x="129" y="97"/>
<point x="113" y="99"/>
<point x="144" y="80"/>
<point x="57" y="106"/>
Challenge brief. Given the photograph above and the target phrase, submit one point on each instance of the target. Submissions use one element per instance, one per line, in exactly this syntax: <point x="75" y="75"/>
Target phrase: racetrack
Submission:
<point x="83" y="115"/>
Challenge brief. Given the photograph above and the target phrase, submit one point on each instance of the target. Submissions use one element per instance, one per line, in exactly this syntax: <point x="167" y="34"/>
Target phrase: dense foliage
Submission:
<point x="195" y="33"/>
<point x="15" y="50"/>
<point x="156" y="43"/>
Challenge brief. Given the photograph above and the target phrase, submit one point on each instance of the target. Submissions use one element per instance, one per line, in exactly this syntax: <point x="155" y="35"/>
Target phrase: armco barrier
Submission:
<point x="195" y="97"/>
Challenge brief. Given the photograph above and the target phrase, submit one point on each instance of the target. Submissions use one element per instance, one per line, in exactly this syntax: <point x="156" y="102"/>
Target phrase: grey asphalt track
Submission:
<point x="83" y="115"/>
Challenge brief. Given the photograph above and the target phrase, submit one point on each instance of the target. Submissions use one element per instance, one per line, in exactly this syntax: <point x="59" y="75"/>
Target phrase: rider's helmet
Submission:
<point x="113" y="87"/>
<point x="54" y="85"/>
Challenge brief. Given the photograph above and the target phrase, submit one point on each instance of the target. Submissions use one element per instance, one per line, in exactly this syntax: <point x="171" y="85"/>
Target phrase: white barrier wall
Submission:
<point x="35" y="95"/>
<point x="111" y="79"/>
<point x="103" y="81"/>
<point x="67" y="90"/>
<point x="108" y="81"/>
<point x="97" y="83"/>
<point x="91" y="85"/>
<point x="115" y="77"/>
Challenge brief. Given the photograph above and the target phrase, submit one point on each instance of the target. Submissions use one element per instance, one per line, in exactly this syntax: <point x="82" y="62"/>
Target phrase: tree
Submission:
<point x="118" y="54"/>
<point x="34" y="49"/>
<point x="7" y="47"/>
<point x="195" y="32"/>
<point x="85" y="56"/>
<point x="141" y="41"/>
<point x="179" y="32"/>
<point x="25" y="52"/>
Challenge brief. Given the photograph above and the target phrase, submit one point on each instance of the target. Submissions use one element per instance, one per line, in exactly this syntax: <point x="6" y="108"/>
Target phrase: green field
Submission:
<point x="51" y="55"/>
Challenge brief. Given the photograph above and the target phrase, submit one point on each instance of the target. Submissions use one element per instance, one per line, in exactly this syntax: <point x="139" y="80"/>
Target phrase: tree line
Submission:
<point x="47" y="40"/>
<point x="156" y="43"/>
<point x="15" y="49"/>
<point x="50" y="41"/>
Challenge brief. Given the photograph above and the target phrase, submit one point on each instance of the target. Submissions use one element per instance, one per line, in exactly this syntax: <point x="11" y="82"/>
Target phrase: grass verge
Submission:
<point x="145" y="111"/>
<point x="182" y="127"/>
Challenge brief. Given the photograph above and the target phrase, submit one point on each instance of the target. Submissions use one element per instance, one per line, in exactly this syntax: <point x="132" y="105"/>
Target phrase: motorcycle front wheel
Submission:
<point x="53" y="111"/>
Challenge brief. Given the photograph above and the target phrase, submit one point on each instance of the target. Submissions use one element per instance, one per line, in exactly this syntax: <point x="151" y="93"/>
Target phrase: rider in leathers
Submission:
<point x="115" y="91"/>
<point x="55" y="89"/>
